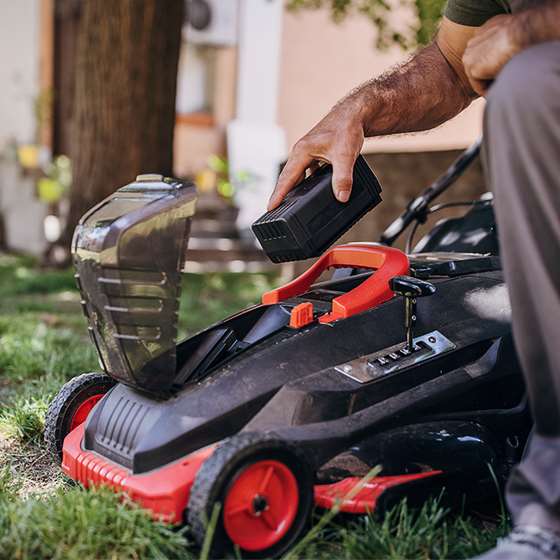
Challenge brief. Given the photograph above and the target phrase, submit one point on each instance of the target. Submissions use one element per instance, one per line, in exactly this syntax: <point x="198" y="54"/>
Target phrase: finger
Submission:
<point x="476" y="64"/>
<point x="478" y="39"/>
<point x="487" y="35"/>
<point x="482" y="69"/>
<point x="479" y="86"/>
<point x="289" y="178"/>
<point x="343" y="166"/>
<point x="491" y="25"/>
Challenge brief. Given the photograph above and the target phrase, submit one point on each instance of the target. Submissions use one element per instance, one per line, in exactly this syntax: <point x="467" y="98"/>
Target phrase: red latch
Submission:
<point x="301" y="315"/>
<point x="386" y="261"/>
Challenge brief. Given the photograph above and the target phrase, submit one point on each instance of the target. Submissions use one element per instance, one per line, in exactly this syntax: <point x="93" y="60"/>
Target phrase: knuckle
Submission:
<point x="346" y="154"/>
<point x="344" y="182"/>
<point x="302" y="145"/>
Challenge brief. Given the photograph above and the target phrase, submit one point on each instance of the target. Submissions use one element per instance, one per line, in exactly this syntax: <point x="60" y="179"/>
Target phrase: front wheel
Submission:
<point x="265" y="491"/>
<point x="71" y="407"/>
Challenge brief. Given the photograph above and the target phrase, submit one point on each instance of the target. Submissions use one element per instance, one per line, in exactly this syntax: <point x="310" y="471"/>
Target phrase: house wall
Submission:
<point x="22" y="214"/>
<point x="322" y="61"/>
<point x="19" y="69"/>
<point x="205" y="105"/>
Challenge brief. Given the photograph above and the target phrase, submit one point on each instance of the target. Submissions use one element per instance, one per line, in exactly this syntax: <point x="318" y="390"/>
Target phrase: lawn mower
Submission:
<point x="402" y="361"/>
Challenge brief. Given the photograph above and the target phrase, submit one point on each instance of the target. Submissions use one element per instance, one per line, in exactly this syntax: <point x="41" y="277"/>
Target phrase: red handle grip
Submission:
<point x="387" y="261"/>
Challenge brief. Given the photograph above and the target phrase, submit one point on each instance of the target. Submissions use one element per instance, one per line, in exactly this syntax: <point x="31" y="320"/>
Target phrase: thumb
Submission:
<point x="342" y="178"/>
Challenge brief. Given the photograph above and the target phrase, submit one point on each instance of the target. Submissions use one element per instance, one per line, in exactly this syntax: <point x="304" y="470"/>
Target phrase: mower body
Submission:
<point x="342" y="388"/>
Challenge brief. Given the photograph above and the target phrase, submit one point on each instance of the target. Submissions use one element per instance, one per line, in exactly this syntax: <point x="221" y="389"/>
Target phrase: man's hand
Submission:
<point x="337" y="139"/>
<point x="418" y="95"/>
<point x="502" y="37"/>
<point x="492" y="46"/>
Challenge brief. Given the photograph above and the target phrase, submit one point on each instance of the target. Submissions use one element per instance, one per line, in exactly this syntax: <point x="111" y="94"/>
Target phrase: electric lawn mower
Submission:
<point x="403" y="361"/>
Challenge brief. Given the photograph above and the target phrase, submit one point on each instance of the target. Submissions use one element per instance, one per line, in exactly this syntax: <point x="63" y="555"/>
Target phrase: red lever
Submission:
<point x="387" y="261"/>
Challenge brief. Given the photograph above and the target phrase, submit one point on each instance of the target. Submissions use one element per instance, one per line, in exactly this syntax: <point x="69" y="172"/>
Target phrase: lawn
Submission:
<point x="44" y="342"/>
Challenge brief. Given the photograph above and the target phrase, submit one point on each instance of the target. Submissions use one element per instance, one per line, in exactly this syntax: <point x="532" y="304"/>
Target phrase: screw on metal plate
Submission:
<point x="344" y="368"/>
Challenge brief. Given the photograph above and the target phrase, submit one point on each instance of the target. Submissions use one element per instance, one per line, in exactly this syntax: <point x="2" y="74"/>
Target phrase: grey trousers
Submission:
<point x="522" y="165"/>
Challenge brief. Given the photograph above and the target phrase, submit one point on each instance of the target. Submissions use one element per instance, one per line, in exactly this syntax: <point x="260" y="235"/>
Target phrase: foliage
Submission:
<point x="431" y="532"/>
<point x="220" y="167"/>
<point x="57" y="180"/>
<point x="19" y="276"/>
<point x="428" y="532"/>
<point x="24" y="420"/>
<point x="75" y="524"/>
<point x="426" y="17"/>
<point x="217" y="177"/>
<point x="35" y="346"/>
<point x="8" y="486"/>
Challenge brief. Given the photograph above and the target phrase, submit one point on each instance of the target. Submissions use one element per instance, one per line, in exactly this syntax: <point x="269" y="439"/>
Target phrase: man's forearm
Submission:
<point x="537" y="25"/>
<point x="419" y="95"/>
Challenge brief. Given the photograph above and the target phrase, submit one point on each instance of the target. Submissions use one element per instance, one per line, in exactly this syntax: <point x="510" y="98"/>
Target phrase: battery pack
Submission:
<point x="310" y="218"/>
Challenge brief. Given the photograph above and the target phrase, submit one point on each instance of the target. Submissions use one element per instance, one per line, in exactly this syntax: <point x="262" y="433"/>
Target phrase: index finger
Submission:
<point x="293" y="170"/>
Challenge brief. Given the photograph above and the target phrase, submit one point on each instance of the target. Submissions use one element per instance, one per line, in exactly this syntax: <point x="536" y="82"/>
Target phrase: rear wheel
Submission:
<point x="265" y="491"/>
<point x="71" y="407"/>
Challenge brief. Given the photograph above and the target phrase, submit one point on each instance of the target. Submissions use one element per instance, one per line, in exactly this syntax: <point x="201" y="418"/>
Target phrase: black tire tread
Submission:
<point x="55" y="417"/>
<point x="215" y="471"/>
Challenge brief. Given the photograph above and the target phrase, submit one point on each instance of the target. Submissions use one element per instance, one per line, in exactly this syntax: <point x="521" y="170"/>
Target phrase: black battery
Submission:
<point x="310" y="218"/>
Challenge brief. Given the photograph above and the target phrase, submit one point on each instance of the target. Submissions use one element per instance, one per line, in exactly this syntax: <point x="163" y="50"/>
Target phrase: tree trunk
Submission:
<point x="124" y="100"/>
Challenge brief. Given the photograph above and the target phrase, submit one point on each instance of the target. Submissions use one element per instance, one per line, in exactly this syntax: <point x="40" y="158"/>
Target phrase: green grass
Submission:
<point x="44" y="342"/>
<point x="432" y="532"/>
<point x="23" y="420"/>
<point x="77" y="524"/>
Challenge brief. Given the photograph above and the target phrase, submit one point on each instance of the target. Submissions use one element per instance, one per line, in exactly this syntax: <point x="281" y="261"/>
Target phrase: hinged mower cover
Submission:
<point x="128" y="252"/>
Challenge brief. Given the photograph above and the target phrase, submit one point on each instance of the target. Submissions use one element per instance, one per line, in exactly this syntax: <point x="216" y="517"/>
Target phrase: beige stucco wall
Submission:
<point x="19" y="70"/>
<point x="321" y="61"/>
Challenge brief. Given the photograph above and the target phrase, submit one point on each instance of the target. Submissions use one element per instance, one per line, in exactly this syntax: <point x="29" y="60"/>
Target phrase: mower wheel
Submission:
<point x="264" y="488"/>
<point x="71" y="407"/>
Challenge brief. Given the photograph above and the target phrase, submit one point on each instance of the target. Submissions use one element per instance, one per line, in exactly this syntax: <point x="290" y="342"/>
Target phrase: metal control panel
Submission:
<point x="396" y="358"/>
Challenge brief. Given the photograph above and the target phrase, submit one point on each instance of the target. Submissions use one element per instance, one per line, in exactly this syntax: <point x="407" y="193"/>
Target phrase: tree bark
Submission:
<point x="124" y="100"/>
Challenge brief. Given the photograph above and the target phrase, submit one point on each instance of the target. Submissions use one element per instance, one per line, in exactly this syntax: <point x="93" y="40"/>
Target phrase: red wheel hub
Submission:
<point x="261" y="505"/>
<point x="84" y="409"/>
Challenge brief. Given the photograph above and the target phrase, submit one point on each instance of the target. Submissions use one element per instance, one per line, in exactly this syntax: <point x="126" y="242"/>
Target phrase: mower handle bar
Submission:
<point x="387" y="261"/>
<point x="417" y="209"/>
